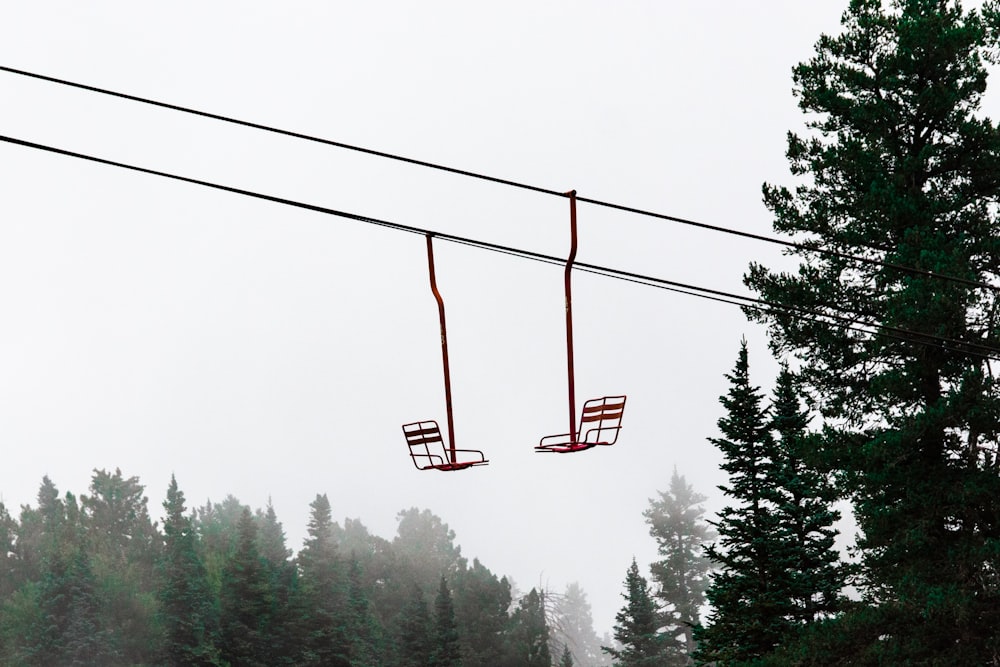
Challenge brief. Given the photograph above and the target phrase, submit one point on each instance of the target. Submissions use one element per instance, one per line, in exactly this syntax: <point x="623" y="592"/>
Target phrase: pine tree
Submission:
<point x="415" y="631"/>
<point x="676" y="523"/>
<point x="247" y="602"/>
<point x="8" y="562"/>
<point x="637" y="626"/>
<point x="187" y="613"/>
<point x="446" y="651"/>
<point x="901" y="168"/>
<point x="749" y="594"/>
<point x="528" y="637"/>
<point x="816" y="577"/>
<point x="367" y="646"/>
<point x="482" y="602"/>
<point x="322" y="617"/>
<point x="283" y="578"/>
<point x="123" y="547"/>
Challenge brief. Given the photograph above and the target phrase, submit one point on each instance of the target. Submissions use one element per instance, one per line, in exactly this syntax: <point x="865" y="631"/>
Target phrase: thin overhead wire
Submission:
<point x="835" y="318"/>
<point x="806" y="247"/>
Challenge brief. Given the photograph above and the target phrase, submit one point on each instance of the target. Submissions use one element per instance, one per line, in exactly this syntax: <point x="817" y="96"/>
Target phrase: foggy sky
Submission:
<point x="271" y="352"/>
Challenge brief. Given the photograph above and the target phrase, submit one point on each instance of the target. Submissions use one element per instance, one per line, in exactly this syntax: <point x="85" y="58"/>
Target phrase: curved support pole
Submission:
<point x="569" y="314"/>
<point x="444" y="350"/>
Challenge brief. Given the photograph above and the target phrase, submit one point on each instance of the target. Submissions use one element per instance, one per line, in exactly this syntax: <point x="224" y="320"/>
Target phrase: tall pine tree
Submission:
<point x="247" y="602"/>
<point x="901" y="168"/>
<point x="749" y="593"/>
<point x="637" y="627"/>
<point x="816" y="575"/>
<point x="446" y="652"/>
<point x="187" y="613"/>
<point x="676" y="521"/>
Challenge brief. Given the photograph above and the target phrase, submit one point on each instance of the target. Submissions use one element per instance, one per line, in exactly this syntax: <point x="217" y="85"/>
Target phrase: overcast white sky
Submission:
<point x="264" y="351"/>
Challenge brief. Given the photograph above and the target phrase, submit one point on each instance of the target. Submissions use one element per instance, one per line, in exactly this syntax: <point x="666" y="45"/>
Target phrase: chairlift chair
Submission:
<point x="423" y="436"/>
<point x="602" y="415"/>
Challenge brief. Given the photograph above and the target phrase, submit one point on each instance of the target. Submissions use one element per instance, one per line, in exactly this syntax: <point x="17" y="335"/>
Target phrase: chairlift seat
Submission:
<point x="603" y="416"/>
<point x="420" y="436"/>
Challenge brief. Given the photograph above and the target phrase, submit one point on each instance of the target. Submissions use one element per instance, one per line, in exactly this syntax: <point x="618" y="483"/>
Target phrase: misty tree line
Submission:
<point x="92" y="580"/>
<point x="890" y="324"/>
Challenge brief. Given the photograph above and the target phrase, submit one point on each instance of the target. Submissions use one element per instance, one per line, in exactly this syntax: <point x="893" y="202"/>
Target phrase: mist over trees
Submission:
<point x="93" y="580"/>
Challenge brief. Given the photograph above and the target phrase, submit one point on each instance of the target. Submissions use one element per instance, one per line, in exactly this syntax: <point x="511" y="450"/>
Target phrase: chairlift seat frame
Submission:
<point x="606" y="411"/>
<point x="420" y="435"/>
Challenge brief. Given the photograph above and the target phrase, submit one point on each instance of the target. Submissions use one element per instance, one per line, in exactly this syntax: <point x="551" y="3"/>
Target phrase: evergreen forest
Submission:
<point x="886" y="331"/>
<point x="92" y="580"/>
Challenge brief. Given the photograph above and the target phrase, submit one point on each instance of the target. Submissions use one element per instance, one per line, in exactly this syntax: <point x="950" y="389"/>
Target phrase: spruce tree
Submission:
<point x="187" y="613"/>
<point x="323" y="616"/>
<point x="816" y="576"/>
<point x="676" y="521"/>
<point x="900" y="168"/>
<point x="749" y="594"/>
<point x="446" y="651"/>
<point x="482" y="603"/>
<point x="637" y="627"/>
<point x="247" y="602"/>
<point x="415" y="639"/>
<point x="528" y="637"/>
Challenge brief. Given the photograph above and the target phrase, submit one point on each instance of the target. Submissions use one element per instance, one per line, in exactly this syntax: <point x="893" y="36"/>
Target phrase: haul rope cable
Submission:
<point x="805" y="246"/>
<point x="848" y="321"/>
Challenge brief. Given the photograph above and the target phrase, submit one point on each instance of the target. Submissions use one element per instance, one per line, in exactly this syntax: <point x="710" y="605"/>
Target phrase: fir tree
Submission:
<point x="366" y="648"/>
<point x="414" y="625"/>
<point x="750" y="597"/>
<point x="816" y="577"/>
<point x="637" y="626"/>
<point x="187" y="614"/>
<point x="446" y="651"/>
<point x="529" y="634"/>
<point x="482" y="602"/>
<point x="900" y="168"/>
<point x="323" y="617"/>
<point x="676" y="523"/>
<point x="247" y="602"/>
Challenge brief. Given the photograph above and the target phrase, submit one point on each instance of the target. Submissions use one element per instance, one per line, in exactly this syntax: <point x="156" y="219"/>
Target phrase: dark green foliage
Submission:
<point x="445" y="651"/>
<point x="217" y="526"/>
<point x="246" y="602"/>
<point x="68" y="631"/>
<point x="415" y="640"/>
<point x="816" y="577"/>
<point x="122" y="547"/>
<point x="322" y="623"/>
<point x="187" y="613"/>
<point x="529" y="633"/>
<point x="283" y="578"/>
<point x="751" y="604"/>
<point x="676" y="521"/>
<point x="92" y="566"/>
<point x="637" y="627"/>
<point x="900" y="167"/>
<point x="367" y="646"/>
<point x="481" y="605"/>
<point x="8" y="562"/>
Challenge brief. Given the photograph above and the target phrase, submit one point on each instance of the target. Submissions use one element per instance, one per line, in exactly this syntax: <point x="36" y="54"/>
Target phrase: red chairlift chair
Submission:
<point x="603" y="415"/>
<point x="422" y="435"/>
